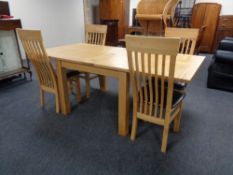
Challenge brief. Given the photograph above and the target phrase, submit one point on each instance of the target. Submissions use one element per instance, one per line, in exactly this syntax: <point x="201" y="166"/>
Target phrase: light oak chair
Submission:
<point x="154" y="58"/>
<point x="34" y="48"/>
<point x="94" y="34"/>
<point x="188" y="38"/>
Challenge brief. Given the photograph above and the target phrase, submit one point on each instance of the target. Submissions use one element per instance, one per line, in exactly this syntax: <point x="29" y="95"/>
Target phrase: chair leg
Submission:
<point x="78" y="89"/>
<point x="88" y="87"/>
<point x="102" y="82"/>
<point x="57" y="103"/>
<point x="69" y="85"/>
<point x="134" y="126"/>
<point x="42" y="101"/>
<point x="165" y="138"/>
<point x="176" y="127"/>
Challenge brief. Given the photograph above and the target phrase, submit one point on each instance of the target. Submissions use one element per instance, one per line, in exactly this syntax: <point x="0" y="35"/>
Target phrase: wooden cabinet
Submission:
<point x="225" y="28"/>
<point x="116" y="10"/>
<point x="206" y="14"/>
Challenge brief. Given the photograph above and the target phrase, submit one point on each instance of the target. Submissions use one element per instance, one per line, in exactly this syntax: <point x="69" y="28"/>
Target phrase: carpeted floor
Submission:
<point x="37" y="141"/>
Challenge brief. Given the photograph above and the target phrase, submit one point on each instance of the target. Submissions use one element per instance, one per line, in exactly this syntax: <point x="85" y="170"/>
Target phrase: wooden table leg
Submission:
<point x="103" y="83"/>
<point x="63" y="89"/>
<point x="123" y="104"/>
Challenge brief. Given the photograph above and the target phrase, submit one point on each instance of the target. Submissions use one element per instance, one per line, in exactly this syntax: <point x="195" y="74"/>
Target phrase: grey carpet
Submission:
<point x="37" y="141"/>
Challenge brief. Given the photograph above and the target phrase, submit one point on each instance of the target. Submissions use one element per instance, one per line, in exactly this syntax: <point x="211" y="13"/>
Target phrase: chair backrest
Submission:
<point x="188" y="38"/>
<point x="169" y="12"/>
<point x="95" y="34"/>
<point x="33" y="45"/>
<point x="152" y="63"/>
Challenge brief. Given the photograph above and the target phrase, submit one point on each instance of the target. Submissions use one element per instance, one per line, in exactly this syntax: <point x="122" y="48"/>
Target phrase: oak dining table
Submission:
<point x="110" y="62"/>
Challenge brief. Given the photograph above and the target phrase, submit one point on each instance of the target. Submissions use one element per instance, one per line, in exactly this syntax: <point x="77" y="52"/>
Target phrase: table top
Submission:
<point x="115" y="58"/>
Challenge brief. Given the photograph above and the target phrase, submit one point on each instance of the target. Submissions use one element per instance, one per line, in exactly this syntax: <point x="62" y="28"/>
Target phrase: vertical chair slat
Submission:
<point x="143" y="74"/>
<point x="156" y="86"/>
<point x="150" y="84"/>
<point x="138" y="79"/>
<point x="162" y="88"/>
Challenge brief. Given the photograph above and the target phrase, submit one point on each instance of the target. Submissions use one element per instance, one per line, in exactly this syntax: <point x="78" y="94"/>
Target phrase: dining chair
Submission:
<point x="32" y="42"/>
<point x="94" y="34"/>
<point x="148" y="58"/>
<point x="188" y="38"/>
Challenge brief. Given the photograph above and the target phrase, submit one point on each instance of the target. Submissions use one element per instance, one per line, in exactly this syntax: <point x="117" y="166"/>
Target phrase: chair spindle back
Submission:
<point x="95" y="34"/>
<point x="152" y="63"/>
<point x="187" y="36"/>
<point x="33" y="45"/>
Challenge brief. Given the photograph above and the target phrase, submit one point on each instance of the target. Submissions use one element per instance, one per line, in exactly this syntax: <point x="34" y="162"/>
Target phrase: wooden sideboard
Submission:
<point x="116" y="10"/>
<point x="224" y="28"/>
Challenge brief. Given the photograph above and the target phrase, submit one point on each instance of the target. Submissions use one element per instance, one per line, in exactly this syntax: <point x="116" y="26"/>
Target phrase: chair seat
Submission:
<point x="72" y="73"/>
<point x="180" y="86"/>
<point x="177" y="96"/>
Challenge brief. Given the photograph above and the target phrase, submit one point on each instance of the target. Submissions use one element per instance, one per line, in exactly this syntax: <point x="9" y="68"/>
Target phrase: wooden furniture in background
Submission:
<point x="11" y="62"/>
<point x="188" y="38"/>
<point x="149" y="15"/>
<point x="33" y="45"/>
<point x="116" y="10"/>
<point x="206" y="14"/>
<point x="153" y="101"/>
<point x="110" y="61"/>
<point x="224" y="28"/>
<point x="94" y="34"/>
<point x="112" y="31"/>
<point x="155" y="15"/>
<point x="169" y="14"/>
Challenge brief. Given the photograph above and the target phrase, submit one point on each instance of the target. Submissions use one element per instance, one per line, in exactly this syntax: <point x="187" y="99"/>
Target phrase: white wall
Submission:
<point x="61" y="21"/>
<point x="133" y="4"/>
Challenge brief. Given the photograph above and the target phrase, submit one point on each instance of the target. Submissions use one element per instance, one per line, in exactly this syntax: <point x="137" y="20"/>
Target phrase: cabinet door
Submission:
<point x="9" y="54"/>
<point x="206" y="14"/>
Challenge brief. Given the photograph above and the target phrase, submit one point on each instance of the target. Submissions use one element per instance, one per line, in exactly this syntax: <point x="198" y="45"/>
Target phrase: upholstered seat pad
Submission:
<point x="177" y="96"/>
<point x="177" y="85"/>
<point x="72" y="73"/>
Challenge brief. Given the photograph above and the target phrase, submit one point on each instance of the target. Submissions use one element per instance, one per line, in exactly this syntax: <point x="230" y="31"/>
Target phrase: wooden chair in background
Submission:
<point x="156" y="15"/>
<point x="94" y="34"/>
<point x="34" y="48"/>
<point x="169" y="14"/>
<point x="154" y="58"/>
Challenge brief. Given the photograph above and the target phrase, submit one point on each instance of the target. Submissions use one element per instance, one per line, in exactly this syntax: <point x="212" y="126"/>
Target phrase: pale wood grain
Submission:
<point x="115" y="58"/>
<point x="188" y="38"/>
<point x="32" y="42"/>
<point x="95" y="34"/>
<point x="111" y="61"/>
<point x="144" y="55"/>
